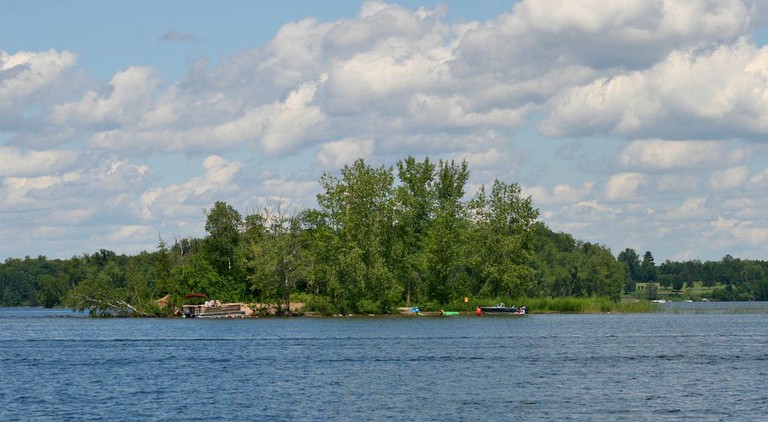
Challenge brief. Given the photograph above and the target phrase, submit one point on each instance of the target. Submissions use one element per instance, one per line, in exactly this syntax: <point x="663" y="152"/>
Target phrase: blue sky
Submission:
<point x="633" y="124"/>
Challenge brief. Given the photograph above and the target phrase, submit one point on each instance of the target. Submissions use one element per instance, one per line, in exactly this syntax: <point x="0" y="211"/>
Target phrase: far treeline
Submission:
<point x="381" y="238"/>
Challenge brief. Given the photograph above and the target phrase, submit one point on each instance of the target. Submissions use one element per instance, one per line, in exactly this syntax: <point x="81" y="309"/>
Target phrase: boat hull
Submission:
<point x="500" y="310"/>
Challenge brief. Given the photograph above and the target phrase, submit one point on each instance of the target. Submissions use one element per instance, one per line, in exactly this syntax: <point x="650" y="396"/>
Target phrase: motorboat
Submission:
<point x="500" y="309"/>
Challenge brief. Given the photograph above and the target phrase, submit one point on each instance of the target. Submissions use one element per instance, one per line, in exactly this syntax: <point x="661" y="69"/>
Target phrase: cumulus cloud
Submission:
<point x="732" y="178"/>
<point x="121" y="102"/>
<point x="560" y="194"/>
<point x="742" y="230"/>
<point x="630" y="34"/>
<point x="186" y="200"/>
<point x="692" y="93"/>
<point x="283" y="192"/>
<point x="99" y="189"/>
<point x="334" y="155"/>
<point x="691" y="208"/>
<point x="658" y="155"/>
<point x="290" y="123"/>
<point x="624" y="187"/>
<point x="15" y="162"/>
<point x="25" y="74"/>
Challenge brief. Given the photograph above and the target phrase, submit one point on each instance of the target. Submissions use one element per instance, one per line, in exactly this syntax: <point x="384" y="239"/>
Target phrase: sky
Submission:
<point x="633" y="123"/>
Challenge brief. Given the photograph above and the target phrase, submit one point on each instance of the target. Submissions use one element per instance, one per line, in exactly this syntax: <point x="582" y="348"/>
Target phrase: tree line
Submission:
<point x="380" y="238"/>
<point x="731" y="279"/>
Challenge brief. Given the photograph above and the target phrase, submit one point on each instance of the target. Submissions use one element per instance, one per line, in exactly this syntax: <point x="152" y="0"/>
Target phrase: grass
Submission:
<point x="696" y="293"/>
<point x="561" y="305"/>
<point x="587" y="305"/>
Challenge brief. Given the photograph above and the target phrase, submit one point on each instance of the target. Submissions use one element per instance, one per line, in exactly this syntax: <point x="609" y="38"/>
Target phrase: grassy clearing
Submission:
<point x="696" y="293"/>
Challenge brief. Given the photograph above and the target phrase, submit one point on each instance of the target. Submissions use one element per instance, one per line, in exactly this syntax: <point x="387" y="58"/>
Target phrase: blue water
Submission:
<point x="692" y="362"/>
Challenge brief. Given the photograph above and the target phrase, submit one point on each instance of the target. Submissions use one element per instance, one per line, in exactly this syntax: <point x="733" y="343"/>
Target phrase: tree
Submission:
<point x="114" y="286"/>
<point x="277" y="252"/>
<point x="648" y="268"/>
<point x="52" y="289"/>
<point x="414" y="207"/>
<point x="651" y="292"/>
<point x="502" y="223"/>
<point x="447" y="235"/>
<point x="631" y="261"/>
<point x="223" y="227"/>
<point x="195" y="274"/>
<point x="359" y="208"/>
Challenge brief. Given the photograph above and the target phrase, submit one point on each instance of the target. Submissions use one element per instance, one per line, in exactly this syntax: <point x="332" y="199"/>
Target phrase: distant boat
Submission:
<point x="212" y="308"/>
<point x="501" y="309"/>
<point x="448" y="313"/>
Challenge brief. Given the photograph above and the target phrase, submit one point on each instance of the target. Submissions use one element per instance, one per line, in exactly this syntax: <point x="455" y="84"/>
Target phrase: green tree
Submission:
<point x="277" y="251"/>
<point x="360" y="211"/>
<point x="415" y="205"/>
<point x="52" y="289"/>
<point x="502" y="223"/>
<point x="195" y="274"/>
<point x="648" y="268"/>
<point x="223" y="225"/>
<point x="631" y="261"/>
<point x="448" y="235"/>
<point x="114" y="286"/>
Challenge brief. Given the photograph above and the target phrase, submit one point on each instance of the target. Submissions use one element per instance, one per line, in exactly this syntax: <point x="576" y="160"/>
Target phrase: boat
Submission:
<point x="225" y="310"/>
<point x="212" y="308"/>
<point x="448" y="313"/>
<point x="501" y="309"/>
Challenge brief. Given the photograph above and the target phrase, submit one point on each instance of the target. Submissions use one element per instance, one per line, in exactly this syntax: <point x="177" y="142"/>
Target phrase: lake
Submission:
<point x="693" y="361"/>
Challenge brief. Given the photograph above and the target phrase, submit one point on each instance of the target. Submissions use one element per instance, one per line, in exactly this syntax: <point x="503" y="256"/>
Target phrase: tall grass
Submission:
<point x="578" y="305"/>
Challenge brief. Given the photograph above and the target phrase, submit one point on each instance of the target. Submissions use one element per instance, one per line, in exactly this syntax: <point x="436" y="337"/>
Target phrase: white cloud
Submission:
<point x="25" y="74"/>
<point x="659" y="155"/>
<point x="292" y="121"/>
<point x="677" y="183"/>
<point x="456" y="112"/>
<point x="16" y="189"/>
<point x="285" y="191"/>
<point x="624" y="187"/>
<point x="631" y="34"/>
<point x="122" y="102"/>
<point x="80" y="196"/>
<point x="560" y="194"/>
<point x="186" y="200"/>
<point x="693" y="93"/>
<point x="334" y="155"/>
<point x="639" y="20"/>
<point x="760" y="179"/>
<point x="295" y="55"/>
<point x="690" y="208"/>
<point x="742" y="230"/>
<point x="19" y="163"/>
<point x="131" y="234"/>
<point x="729" y="179"/>
<point x="219" y="171"/>
<point x="370" y="76"/>
<point x="72" y="217"/>
<point x="280" y="127"/>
